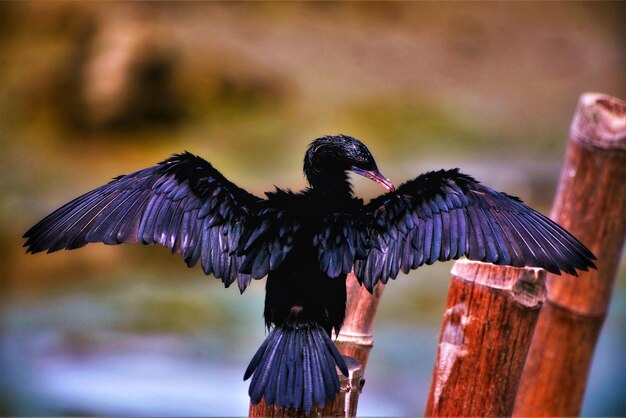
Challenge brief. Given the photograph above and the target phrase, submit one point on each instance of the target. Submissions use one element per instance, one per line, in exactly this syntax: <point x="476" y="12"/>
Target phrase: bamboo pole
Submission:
<point x="344" y="405"/>
<point x="356" y="337"/>
<point x="591" y="203"/>
<point x="488" y="324"/>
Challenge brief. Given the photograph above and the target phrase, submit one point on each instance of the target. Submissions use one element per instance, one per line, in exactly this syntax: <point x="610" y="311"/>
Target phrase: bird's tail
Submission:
<point x="295" y="367"/>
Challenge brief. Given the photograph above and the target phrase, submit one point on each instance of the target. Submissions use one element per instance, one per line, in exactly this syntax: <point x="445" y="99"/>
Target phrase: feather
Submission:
<point x="453" y="215"/>
<point x="307" y="392"/>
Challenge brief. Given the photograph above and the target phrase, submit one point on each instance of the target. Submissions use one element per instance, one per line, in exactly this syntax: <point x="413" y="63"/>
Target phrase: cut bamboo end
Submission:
<point x="525" y="285"/>
<point x="600" y="120"/>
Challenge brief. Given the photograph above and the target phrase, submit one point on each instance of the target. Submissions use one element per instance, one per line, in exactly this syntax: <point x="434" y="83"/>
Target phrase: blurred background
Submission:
<point x="91" y="90"/>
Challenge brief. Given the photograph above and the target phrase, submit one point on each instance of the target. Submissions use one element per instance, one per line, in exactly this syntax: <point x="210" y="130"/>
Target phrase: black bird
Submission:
<point x="307" y="243"/>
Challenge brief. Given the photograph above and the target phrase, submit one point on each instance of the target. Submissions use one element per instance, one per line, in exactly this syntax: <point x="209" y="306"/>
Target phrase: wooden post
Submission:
<point x="344" y="405"/>
<point x="488" y="325"/>
<point x="591" y="203"/>
<point x="356" y="337"/>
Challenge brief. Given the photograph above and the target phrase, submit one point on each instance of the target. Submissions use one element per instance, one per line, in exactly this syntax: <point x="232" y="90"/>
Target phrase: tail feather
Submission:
<point x="296" y="367"/>
<point x="283" y="374"/>
<point x="256" y="359"/>
<point x="259" y="380"/>
<point x="298" y="371"/>
<point x="328" y="366"/>
<point x="319" y="386"/>
<point x="271" y="389"/>
<point x="307" y="396"/>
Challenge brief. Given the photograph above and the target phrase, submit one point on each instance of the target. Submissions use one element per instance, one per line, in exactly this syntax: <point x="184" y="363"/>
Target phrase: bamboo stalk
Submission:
<point x="591" y="203"/>
<point x="356" y="337"/>
<point x="487" y="329"/>
<point x="344" y="404"/>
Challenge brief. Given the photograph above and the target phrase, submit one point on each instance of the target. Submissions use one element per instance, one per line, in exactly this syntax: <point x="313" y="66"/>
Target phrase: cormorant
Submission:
<point x="307" y="242"/>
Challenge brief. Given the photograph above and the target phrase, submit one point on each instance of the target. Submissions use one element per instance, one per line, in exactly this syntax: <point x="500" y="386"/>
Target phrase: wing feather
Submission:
<point x="445" y="215"/>
<point x="183" y="203"/>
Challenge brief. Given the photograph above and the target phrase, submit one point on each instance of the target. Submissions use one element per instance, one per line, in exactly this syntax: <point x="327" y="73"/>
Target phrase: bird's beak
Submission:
<point x="376" y="176"/>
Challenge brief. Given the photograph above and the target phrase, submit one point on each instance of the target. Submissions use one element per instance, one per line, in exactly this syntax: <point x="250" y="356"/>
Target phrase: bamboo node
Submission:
<point x="363" y="339"/>
<point x="530" y="290"/>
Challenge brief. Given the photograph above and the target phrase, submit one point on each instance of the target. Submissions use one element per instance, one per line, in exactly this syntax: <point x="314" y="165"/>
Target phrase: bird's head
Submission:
<point x="340" y="153"/>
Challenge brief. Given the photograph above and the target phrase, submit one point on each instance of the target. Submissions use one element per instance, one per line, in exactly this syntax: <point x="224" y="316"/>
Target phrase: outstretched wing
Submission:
<point x="183" y="203"/>
<point x="445" y="215"/>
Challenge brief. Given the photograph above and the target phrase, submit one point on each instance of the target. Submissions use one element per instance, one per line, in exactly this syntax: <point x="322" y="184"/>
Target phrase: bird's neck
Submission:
<point x="334" y="184"/>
